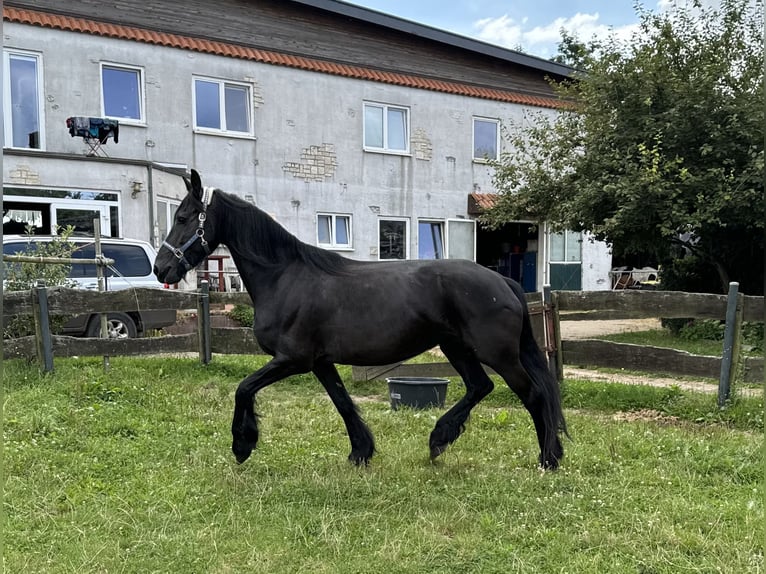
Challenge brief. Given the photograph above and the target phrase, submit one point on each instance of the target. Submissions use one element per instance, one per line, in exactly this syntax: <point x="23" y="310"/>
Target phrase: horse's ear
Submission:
<point x="187" y="183"/>
<point x="196" y="185"/>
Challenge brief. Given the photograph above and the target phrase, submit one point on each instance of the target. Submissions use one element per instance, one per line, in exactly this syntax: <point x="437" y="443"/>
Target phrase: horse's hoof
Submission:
<point x="437" y="450"/>
<point x="241" y="456"/>
<point x="358" y="460"/>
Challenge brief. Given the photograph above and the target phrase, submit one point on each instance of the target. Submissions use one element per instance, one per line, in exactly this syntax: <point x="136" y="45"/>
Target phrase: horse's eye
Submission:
<point x="181" y="220"/>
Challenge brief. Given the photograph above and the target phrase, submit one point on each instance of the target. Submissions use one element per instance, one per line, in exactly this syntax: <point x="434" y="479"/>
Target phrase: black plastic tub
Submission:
<point x="417" y="392"/>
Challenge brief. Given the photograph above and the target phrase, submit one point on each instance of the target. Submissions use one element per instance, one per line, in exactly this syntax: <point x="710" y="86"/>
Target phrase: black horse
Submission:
<point x="315" y="308"/>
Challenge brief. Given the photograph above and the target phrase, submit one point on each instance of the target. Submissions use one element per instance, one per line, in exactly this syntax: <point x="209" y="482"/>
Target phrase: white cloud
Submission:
<point x="543" y="40"/>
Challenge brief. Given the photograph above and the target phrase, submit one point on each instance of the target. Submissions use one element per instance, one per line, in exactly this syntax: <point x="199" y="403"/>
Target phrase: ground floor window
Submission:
<point x="566" y="247"/>
<point x="393" y="238"/>
<point x="334" y="231"/>
<point x="166" y="212"/>
<point x="430" y="239"/>
<point x="46" y="210"/>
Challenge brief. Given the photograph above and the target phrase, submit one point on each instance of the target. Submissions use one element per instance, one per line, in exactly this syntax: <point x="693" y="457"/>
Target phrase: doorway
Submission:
<point x="511" y="251"/>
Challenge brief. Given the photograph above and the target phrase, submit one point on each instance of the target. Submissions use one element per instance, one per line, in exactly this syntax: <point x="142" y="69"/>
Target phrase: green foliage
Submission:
<point x="703" y="329"/>
<point x="753" y="336"/>
<point x="660" y="150"/>
<point x="242" y="314"/>
<point x="24" y="276"/>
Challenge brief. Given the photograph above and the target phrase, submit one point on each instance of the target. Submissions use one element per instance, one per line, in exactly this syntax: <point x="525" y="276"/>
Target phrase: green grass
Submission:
<point x="664" y="338"/>
<point x="131" y="472"/>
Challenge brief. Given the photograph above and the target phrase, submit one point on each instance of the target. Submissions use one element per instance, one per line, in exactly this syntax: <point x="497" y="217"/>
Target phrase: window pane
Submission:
<point x="574" y="242"/>
<point x="397" y="129"/>
<point x="484" y="139"/>
<point x="323" y="229"/>
<point x="207" y="101"/>
<point x="237" y="109"/>
<point x="430" y="240"/>
<point x="122" y="92"/>
<point x="557" y="247"/>
<point x="25" y="103"/>
<point x="80" y="219"/>
<point x="129" y="260"/>
<point x="392" y="243"/>
<point x="342" y="231"/>
<point x="461" y="238"/>
<point x="162" y="219"/>
<point x="373" y="126"/>
<point x="83" y="251"/>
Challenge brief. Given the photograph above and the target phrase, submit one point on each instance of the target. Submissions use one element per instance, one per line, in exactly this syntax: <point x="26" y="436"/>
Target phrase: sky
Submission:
<point x="531" y="26"/>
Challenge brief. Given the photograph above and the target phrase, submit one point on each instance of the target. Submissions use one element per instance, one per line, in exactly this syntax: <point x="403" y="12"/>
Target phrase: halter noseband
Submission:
<point x="199" y="233"/>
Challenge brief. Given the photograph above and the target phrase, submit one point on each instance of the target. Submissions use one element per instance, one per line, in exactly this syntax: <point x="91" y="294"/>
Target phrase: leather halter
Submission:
<point x="199" y="233"/>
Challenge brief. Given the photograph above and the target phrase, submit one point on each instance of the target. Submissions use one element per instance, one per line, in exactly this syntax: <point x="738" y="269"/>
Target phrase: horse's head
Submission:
<point x="193" y="236"/>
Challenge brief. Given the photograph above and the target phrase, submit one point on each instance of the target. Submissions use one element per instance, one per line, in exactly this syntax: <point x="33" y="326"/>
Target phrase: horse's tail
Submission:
<point x="545" y="387"/>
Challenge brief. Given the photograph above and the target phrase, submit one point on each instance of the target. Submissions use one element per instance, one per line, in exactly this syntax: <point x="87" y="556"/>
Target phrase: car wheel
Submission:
<point x="118" y="326"/>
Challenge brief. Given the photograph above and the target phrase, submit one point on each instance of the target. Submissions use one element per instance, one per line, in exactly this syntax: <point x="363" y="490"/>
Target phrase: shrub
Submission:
<point x="243" y="314"/>
<point x="702" y="329"/>
<point x="24" y="276"/>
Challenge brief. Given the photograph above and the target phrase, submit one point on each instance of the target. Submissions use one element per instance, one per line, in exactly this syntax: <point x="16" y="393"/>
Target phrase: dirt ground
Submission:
<point x="587" y="329"/>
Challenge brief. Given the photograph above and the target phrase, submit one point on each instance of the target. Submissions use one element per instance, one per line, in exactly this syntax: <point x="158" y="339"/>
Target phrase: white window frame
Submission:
<point x="385" y="108"/>
<point x="171" y="206"/>
<point x="8" y="53"/>
<point x="443" y="225"/>
<point x="407" y="241"/>
<point x="458" y="221"/>
<point x="566" y="235"/>
<point x="333" y="244"/>
<point x="250" y="133"/>
<point x="485" y="159"/>
<point x="140" y="121"/>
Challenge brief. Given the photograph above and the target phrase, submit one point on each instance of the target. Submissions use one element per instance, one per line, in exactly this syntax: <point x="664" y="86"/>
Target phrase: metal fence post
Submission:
<point x="203" y="322"/>
<point x="731" y="336"/>
<point x="44" y="342"/>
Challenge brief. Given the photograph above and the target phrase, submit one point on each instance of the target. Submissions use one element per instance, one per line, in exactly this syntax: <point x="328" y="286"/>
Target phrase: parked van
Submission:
<point x="133" y="261"/>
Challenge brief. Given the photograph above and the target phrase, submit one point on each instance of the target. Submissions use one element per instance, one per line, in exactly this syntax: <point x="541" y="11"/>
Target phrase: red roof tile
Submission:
<point x="478" y="203"/>
<point x="72" y="24"/>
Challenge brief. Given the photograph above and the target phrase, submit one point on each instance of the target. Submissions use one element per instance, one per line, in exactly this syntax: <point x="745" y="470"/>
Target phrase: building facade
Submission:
<point x="357" y="131"/>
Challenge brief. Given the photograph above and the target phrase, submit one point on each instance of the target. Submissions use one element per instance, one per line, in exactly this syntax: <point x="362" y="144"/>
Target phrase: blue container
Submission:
<point x="417" y="392"/>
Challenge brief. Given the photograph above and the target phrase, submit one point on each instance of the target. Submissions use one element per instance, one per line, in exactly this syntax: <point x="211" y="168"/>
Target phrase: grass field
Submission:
<point x="131" y="472"/>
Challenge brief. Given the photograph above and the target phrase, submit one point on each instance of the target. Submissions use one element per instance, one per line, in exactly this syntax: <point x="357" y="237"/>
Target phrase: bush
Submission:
<point x="702" y="329"/>
<point x="243" y="314"/>
<point x="24" y="276"/>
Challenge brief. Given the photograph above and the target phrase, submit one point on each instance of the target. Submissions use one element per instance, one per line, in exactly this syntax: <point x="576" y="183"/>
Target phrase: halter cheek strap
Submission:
<point x="199" y="233"/>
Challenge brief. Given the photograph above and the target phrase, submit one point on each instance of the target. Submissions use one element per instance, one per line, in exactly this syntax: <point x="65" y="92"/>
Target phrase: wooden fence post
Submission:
<point x="552" y="349"/>
<point x="44" y="342"/>
<point x="731" y="340"/>
<point x="203" y="322"/>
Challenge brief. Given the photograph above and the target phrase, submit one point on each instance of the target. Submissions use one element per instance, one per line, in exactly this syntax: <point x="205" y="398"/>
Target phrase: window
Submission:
<point x="486" y="139"/>
<point x="393" y="239"/>
<point x="461" y="239"/>
<point x="430" y="240"/>
<point x="386" y="128"/>
<point x="129" y="261"/>
<point x="122" y="92"/>
<point x="222" y="107"/>
<point x="23" y="100"/>
<point x="166" y="212"/>
<point x="566" y="247"/>
<point x="334" y="230"/>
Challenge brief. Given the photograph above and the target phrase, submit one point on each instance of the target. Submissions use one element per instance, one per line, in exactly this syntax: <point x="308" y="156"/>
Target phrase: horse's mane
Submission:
<point x="256" y="237"/>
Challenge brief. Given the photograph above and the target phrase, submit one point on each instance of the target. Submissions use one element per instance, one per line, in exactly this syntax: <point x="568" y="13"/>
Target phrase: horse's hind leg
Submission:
<point x="362" y="443"/>
<point x="478" y="385"/>
<point x="520" y="382"/>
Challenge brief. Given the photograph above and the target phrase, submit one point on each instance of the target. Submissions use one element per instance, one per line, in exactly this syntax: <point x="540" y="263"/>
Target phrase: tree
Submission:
<point x="659" y="146"/>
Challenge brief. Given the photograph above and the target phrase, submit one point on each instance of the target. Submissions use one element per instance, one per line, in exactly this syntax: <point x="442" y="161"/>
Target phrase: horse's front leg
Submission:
<point x="244" y="425"/>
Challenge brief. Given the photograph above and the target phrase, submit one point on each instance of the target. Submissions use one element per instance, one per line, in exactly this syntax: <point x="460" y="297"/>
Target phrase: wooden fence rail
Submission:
<point x="563" y="306"/>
